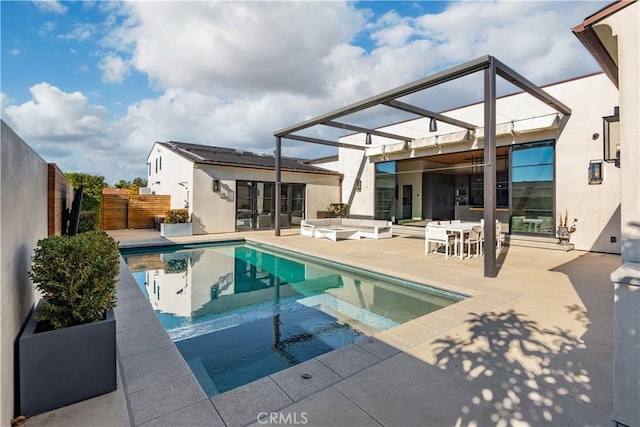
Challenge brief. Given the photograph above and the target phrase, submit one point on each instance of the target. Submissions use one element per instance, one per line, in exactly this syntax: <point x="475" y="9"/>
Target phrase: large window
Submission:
<point x="532" y="186"/>
<point x="385" y="195"/>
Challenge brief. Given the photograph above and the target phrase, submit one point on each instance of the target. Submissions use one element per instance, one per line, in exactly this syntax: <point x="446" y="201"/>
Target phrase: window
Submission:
<point x="532" y="200"/>
<point x="160" y="163"/>
<point x="385" y="192"/>
<point x="156" y="165"/>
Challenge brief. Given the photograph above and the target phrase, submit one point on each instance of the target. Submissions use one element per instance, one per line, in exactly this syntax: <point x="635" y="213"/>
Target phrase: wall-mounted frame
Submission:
<point x="611" y="137"/>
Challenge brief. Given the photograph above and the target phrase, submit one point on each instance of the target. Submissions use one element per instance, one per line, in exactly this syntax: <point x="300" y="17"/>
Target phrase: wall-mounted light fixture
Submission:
<point x="611" y="137"/>
<point x="433" y="125"/>
<point x="215" y="186"/>
<point x="595" y="172"/>
<point x="359" y="186"/>
<point x="367" y="139"/>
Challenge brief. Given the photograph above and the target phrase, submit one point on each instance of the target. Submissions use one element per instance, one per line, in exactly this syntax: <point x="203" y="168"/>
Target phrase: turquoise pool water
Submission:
<point x="239" y="312"/>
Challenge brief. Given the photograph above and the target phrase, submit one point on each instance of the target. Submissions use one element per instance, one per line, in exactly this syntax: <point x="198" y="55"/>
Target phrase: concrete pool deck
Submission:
<point x="532" y="346"/>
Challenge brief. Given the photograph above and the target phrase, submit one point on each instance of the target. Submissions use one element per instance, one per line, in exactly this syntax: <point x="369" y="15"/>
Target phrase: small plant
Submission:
<point x="564" y="222"/>
<point x="177" y="266"/>
<point x="338" y="210"/>
<point x="177" y="216"/>
<point x="76" y="276"/>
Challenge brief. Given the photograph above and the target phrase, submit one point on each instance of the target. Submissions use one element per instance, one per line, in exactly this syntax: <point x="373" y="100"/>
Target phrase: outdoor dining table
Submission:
<point x="461" y="228"/>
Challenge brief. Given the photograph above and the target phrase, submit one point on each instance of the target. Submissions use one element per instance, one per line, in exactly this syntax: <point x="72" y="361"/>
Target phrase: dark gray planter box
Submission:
<point x="64" y="366"/>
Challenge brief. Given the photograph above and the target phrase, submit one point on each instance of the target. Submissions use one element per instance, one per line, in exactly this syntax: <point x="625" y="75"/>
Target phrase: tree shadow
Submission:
<point x="544" y="379"/>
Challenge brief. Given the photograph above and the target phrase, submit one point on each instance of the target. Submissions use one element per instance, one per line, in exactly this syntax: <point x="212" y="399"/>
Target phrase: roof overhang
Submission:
<point x="602" y="44"/>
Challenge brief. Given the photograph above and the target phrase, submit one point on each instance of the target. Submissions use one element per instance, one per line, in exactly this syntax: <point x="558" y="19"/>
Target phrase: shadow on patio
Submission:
<point x="545" y="381"/>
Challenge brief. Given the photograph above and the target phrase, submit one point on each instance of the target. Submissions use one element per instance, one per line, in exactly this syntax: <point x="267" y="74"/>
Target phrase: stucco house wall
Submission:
<point x="625" y="26"/>
<point x="23" y="203"/>
<point x="595" y="206"/>
<point x="215" y="212"/>
<point x="172" y="170"/>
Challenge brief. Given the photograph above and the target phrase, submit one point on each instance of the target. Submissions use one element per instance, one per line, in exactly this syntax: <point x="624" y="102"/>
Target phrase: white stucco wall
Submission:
<point x="595" y="206"/>
<point x="625" y="25"/>
<point x="165" y="181"/>
<point x="216" y="212"/>
<point x="23" y="221"/>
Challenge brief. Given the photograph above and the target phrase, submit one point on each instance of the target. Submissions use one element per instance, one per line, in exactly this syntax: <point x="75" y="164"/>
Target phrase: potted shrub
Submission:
<point x="67" y="350"/>
<point x="176" y="223"/>
<point x="338" y="210"/>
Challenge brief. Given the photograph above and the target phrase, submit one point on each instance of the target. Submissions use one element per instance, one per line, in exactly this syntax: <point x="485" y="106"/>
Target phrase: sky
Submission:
<point x="91" y="86"/>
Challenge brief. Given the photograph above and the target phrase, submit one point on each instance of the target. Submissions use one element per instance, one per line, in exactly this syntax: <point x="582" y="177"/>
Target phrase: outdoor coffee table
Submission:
<point x="335" y="233"/>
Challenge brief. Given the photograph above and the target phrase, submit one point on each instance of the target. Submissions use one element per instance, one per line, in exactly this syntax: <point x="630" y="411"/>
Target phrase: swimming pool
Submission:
<point x="238" y="312"/>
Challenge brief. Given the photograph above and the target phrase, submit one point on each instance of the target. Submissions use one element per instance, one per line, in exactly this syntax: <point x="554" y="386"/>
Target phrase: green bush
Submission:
<point x="76" y="276"/>
<point x="88" y="221"/>
<point x="177" y="216"/>
<point x="338" y="210"/>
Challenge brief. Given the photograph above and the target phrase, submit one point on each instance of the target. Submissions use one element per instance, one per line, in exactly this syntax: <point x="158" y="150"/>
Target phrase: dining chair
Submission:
<point x="499" y="235"/>
<point x="439" y="236"/>
<point x="476" y="238"/>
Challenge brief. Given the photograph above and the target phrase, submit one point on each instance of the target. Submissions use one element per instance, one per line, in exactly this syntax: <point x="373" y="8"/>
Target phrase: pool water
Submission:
<point x="239" y="312"/>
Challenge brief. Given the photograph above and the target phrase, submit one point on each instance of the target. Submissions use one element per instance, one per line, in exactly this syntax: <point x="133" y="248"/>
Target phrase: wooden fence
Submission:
<point x="59" y="197"/>
<point x="119" y="211"/>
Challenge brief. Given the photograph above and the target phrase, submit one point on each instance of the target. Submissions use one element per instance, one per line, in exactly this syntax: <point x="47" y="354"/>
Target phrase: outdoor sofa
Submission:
<point x="369" y="228"/>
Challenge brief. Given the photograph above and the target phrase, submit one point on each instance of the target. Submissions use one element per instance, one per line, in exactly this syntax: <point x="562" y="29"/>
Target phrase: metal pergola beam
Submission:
<point x="492" y="68"/>
<point x="346" y="126"/>
<point x="322" y="141"/>
<point x="518" y="80"/>
<point x="444" y="76"/>
<point x="426" y="113"/>
<point x="489" y="148"/>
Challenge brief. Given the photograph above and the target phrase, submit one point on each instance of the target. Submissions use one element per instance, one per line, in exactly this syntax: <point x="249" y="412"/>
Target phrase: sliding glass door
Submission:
<point x="255" y="205"/>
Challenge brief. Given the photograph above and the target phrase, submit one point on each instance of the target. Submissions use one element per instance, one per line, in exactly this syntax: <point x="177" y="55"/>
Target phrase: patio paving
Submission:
<point x="532" y="346"/>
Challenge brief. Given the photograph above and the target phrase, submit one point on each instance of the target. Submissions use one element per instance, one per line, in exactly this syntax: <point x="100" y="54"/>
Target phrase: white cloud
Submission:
<point x="51" y="6"/>
<point x="14" y="52"/>
<point x="114" y="68"/>
<point x="235" y="47"/>
<point x="231" y="73"/>
<point x="80" y="32"/>
<point x="532" y="37"/>
<point x="392" y="30"/>
<point x="56" y="116"/>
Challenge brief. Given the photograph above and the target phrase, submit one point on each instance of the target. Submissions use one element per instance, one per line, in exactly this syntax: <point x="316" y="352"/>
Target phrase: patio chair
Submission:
<point x="499" y="235"/>
<point x="441" y="237"/>
<point x="475" y="237"/>
<point x="433" y="223"/>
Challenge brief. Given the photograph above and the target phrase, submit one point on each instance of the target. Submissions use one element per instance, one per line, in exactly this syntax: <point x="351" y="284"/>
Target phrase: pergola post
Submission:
<point x="490" y="269"/>
<point x="278" y="195"/>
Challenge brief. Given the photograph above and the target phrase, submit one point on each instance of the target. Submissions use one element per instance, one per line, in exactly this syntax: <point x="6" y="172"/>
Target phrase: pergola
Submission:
<point x="492" y="67"/>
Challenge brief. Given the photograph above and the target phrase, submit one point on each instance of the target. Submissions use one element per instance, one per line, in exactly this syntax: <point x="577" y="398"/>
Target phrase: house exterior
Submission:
<point x="612" y="36"/>
<point x="547" y="165"/>
<point x="228" y="190"/>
